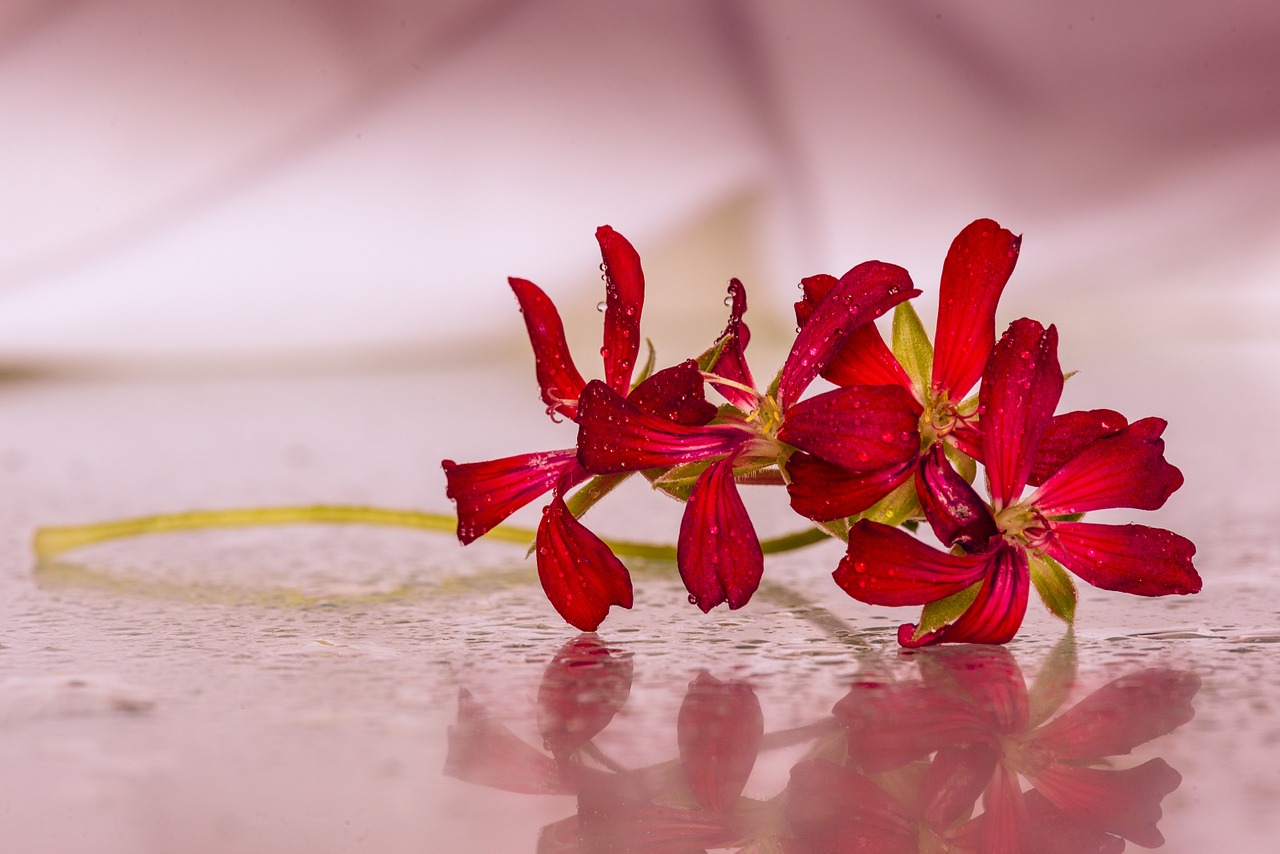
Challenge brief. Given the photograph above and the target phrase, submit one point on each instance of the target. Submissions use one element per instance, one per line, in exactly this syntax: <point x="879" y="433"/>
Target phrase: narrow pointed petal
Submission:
<point x="579" y="573"/>
<point x="614" y="435"/>
<point x="675" y="394"/>
<point x="954" y="781"/>
<point x="862" y="294"/>
<point x="732" y="364"/>
<point x="719" y="729"/>
<point x="860" y="428"/>
<point x="956" y="513"/>
<point x="974" y="274"/>
<point x="1067" y="435"/>
<point x="967" y="437"/>
<point x="1124" y="802"/>
<point x="484" y="752"/>
<point x="822" y="491"/>
<point x="623" y="301"/>
<point x="558" y="378"/>
<point x="586" y="684"/>
<point x="835" y="810"/>
<point x="996" y="615"/>
<point x="1052" y="831"/>
<point x="864" y="358"/>
<point x="986" y="679"/>
<point x="1128" y="558"/>
<point x="1020" y="390"/>
<point x="490" y="491"/>
<point x="1004" y="819"/>
<point x="718" y="552"/>
<point x="1124" y="469"/>
<point x="888" y="566"/>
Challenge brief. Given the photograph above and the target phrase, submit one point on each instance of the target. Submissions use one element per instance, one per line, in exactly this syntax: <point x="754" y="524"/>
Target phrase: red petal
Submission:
<point x="488" y="492"/>
<point x="1125" y="469"/>
<point x="1019" y="392"/>
<point x="579" y="573"/>
<point x="986" y="679"/>
<point x="890" y="724"/>
<point x="1067" y="435"/>
<point x="718" y="552"/>
<point x="732" y="364"/>
<point x="719" y="729"/>
<point x="583" y="687"/>
<point x="864" y="359"/>
<point x="1124" y="802"/>
<point x="996" y="615"/>
<point x="815" y="290"/>
<point x="955" y="512"/>
<point x="860" y="428"/>
<point x="623" y="301"/>
<point x="862" y="294"/>
<point x="823" y="492"/>
<point x="615" y="436"/>
<point x="675" y="394"/>
<point x="887" y="566"/>
<point x="1128" y="558"/>
<point x="835" y="810"/>
<point x="1003" y="823"/>
<point x="974" y="273"/>
<point x="485" y="752"/>
<point x="558" y="377"/>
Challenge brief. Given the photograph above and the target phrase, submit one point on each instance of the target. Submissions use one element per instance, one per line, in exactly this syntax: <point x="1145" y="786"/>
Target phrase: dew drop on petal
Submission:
<point x="604" y="352"/>
<point x="863" y="456"/>
<point x="860" y="566"/>
<point x="886" y="436"/>
<point x="693" y="600"/>
<point x="600" y="305"/>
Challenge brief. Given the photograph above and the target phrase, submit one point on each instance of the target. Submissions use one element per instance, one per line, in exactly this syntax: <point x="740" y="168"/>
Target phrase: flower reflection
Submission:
<point x="958" y="754"/>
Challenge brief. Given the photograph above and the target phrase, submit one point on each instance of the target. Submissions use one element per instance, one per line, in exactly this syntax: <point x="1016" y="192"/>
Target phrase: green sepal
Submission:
<point x="592" y="491"/>
<point x="838" y="528"/>
<point x="911" y="525"/>
<point x="1054" y="682"/>
<point x="911" y="345"/>
<point x="1055" y="587"/>
<point x="647" y="370"/>
<point x="966" y="465"/>
<point x="711" y="356"/>
<point x="677" y="481"/>
<point x="937" y="614"/>
<point x="1067" y="517"/>
<point x="896" y="507"/>
<point x="1068" y="375"/>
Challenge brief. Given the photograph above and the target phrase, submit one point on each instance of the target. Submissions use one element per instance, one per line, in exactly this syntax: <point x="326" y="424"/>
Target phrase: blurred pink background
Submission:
<point x="261" y="182"/>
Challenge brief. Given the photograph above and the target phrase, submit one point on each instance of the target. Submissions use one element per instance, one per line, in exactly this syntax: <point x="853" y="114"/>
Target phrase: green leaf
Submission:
<point x="647" y="371"/>
<point x="964" y="464"/>
<point x="1055" y="587"/>
<point x="896" y="507"/>
<point x="911" y="345"/>
<point x="937" y="614"/>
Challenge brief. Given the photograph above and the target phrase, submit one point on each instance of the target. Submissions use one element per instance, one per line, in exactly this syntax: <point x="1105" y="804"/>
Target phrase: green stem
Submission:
<point x="55" y="540"/>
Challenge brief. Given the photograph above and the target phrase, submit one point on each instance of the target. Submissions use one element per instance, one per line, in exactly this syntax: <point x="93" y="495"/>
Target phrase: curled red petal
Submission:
<point x="579" y="573"/>
<point x="623" y="301"/>
<point x="732" y="364"/>
<point x="974" y="274"/>
<point x="887" y="566"/>
<point x="864" y="358"/>
<point x="859" y="428"/>
<point x="614" y="435"/>
<point x="1128" y="558"/>
<point x="1067" y="435"/>
<point x="1020" y="390"/>
<point x="558" y="378"/>
<point x="815" y="289"/>
<point x="490" y="491"/>
<point x="956" y="513"/>
<point x="675" y="394"/>
<point x="1124" y="802"/>
<point x="718" y="552"/>
<point x="862" y="294"/>
<point x="997" y="612"/>
<point x="1124" y="469"/>
<point x="583" y="687"/>
<point x="822" y="491"/>
<point x="719" y="729"/>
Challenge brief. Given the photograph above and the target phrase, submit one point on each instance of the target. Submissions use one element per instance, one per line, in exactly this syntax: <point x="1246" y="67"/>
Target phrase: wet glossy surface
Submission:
<point x="358" y="689"/>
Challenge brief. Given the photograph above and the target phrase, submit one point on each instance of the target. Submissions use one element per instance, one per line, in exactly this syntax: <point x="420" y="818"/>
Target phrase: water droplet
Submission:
<point x="600" y="305"/>
<point x="860" y="566"/>
<point x="1025" y="354"/>
<point x="886" y="436"/>
<point x="863" y="456"/>
<point x="693" y="600"/>
<point x="728" y="300"/>
<point x="604" y="352"/>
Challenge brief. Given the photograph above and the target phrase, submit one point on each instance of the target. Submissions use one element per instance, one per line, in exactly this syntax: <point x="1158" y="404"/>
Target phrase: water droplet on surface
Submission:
<point x="600" y="305"/>
<point x="728" y="300"/>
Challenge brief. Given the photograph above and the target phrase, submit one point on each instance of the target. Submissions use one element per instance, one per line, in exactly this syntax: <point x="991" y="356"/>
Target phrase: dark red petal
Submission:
<point x="1003" y="823"/>
<point x="860" y="428"/>
<point x="1020" y="390"/>
<point x="719" y="730"/>
<point x="862" y="294"/>
<point x="890" y="724"/>
<point x="623" y="301"/>
<point x="485" y="752"/>
<point x="864" y="359"/>
<point x="732" y="364"/>
<point x="488" y="492"/>
<point x="1119" y="716"/>
<point x="617" y="814"/>
<point x="1067" y="435"/>
<point x="836" y="810"/>
<point x="974" y="273"/>
<point x="1124" y="802"/>
<point x="1128" y="558"/>
<point x="718" y="552"/>
<point x="1051" y="831"/>
<point x="579" y="573"/>
<point x="558" y="377"/>
<point x="615" y="436"/>
<point x="815" y="290"/>
<point x="956" y="513"/>
<point x="996" y="615"/>
<point x="887" y="566"/>
<point x="954" y="781"/>
<point x="675" y="394"/>
<point x="987" y="679"/>
<point x="823" y="492"/>
<point x="583" y="687"/>
<point x="1125" y="469"/>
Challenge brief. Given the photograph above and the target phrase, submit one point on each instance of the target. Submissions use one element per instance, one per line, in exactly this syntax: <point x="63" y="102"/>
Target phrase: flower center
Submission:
<point x="1022" y="524"/>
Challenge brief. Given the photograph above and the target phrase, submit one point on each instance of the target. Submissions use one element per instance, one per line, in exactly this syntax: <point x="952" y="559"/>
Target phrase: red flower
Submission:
<point x="718" y="552"/>
<point x="581" y="576"/>
<point x="1001" y="540"/>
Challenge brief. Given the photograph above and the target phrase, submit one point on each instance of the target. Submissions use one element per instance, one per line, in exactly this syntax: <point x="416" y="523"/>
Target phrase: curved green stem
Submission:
<point x="55" y="540"/>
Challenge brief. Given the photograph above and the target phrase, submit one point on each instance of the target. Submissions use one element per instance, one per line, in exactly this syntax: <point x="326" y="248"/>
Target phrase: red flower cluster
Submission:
<point x="895" y="442"/>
